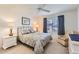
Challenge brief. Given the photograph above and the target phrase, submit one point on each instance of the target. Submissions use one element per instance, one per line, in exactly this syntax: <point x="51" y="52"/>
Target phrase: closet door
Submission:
<point x="61" y="29"/>
<point x="45" y="25"/>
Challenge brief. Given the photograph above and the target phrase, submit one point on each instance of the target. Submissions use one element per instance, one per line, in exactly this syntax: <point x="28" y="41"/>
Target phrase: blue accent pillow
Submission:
<point x="74" y="37"/>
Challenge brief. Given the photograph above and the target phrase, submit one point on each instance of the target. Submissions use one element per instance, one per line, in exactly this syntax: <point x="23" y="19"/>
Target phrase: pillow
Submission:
<point x="31" y="30"/>
<point x="25" y="31"/>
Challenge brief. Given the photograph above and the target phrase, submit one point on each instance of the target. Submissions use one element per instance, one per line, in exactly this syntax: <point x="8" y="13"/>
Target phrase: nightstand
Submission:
<point x="9" y="41"/>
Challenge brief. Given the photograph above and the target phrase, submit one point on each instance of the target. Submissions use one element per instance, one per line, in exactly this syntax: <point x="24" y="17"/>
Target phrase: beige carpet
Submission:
<point x="52" y="48"/>
<point x="56" y="48"/>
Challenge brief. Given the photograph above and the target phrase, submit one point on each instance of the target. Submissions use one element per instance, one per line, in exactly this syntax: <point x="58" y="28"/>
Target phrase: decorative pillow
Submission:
<point x="32" y="30"/>
<point x="25" y="31"/>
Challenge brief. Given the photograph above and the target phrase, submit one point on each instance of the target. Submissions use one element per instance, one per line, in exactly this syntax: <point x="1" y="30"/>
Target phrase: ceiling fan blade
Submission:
<point x="44" y="9"/>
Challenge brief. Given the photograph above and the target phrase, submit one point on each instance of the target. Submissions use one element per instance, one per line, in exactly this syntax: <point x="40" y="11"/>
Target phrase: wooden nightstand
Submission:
<point x="9" y="41"/>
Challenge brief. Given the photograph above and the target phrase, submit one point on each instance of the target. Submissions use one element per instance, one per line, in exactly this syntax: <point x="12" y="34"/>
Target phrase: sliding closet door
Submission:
<point x="61" y="29"/>
<point x="45" y="25"/>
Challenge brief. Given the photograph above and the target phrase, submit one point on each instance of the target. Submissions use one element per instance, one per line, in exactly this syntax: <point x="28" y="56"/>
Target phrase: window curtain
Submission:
<point x="61" y="28"/>
<point x="45" y="25"/>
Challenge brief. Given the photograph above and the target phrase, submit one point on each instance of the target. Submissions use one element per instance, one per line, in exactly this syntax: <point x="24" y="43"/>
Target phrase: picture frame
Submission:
<point x="25" y="21"/>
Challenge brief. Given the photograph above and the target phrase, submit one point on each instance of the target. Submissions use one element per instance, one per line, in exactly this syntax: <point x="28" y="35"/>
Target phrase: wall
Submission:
<point x="16" y="22"/>
<point x="78" y="19"/>
<point x="39" y="21"/>
<point x="70" y="19"/>
<point x="13" y="13"/>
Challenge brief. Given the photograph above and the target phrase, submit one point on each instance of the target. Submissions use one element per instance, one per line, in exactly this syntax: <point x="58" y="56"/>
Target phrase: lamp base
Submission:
<point x="36" y="29"/>
<point x="11" y="34"/>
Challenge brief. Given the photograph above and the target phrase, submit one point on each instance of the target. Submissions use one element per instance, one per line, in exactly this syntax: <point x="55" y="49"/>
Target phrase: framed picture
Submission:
<point x="25" y="21"/>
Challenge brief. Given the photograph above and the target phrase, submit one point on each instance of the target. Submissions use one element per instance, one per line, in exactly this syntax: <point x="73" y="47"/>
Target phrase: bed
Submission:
<point x="34" y="39"/>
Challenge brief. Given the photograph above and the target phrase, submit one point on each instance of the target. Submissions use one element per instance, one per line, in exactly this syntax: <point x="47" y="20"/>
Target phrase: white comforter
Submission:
<point x="36" y="40"/>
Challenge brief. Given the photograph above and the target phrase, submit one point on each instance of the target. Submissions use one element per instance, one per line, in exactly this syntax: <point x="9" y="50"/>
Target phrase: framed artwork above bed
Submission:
<point x="25" y="21"/>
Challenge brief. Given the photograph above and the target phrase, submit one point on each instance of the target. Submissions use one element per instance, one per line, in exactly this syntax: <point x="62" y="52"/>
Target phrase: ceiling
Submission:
<point x="56" y="8"/>
<point x="31" y="9"/>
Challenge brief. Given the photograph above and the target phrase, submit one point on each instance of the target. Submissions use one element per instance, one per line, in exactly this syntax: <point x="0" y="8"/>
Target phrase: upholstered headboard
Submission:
<point x="24" y="29"/>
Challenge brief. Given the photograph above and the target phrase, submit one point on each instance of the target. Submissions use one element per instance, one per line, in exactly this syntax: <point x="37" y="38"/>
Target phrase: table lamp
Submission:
<point x="10" y="24"/>
<point x="37" y="27"/>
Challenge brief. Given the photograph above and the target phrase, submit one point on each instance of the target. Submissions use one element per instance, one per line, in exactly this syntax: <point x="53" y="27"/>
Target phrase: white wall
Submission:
<point x="78" y="19"/>
<point x="14" y="13"/>
<point x="70" y="20"/>
<point x="39" y="21"/>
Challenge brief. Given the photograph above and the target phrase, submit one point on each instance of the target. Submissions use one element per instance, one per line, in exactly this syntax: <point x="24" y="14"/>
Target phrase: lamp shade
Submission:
<point x="10" y="24"/>
<point x="37" y="25"/>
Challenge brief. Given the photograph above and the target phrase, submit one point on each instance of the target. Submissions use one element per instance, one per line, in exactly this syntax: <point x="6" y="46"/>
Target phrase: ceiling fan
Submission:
<point x="41" y="8"/>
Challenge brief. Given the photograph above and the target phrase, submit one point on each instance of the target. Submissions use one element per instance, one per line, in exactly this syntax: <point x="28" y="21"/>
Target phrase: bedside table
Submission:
<point x="9" y="41"/>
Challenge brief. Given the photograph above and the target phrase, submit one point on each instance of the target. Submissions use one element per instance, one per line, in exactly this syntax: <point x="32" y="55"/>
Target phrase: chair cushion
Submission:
<point x="74" y="37"/>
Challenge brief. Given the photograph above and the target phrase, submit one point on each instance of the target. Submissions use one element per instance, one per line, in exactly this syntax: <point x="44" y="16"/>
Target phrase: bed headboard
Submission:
<point x="23" y="29"/>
